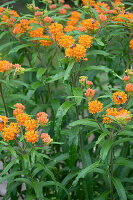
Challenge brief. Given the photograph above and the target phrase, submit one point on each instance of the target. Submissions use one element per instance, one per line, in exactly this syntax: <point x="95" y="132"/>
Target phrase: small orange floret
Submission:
<point x="3" y="121"/>
<point x="56" y="30"/>
<point x="95" y="106"/>
<point x="102" y="17"/>
<point x="131" y="44"/>
<point x="89" y="94"/>
<point x="77" y="52"/>
<point x="17" y="112"/>
<point x="47" y="19"/>
<point x="46" y="138"/>
<point x="119" y="97"/>
<point x="62" y="11"/>
<point x="88" y="2"/>
<point x="52" y="7"/>
<point x="69" y="28"/>
<point x="42" y="118"/>
<point x="5" y="66"/>
<point x="31" y="136"/>
<point x="10" y="131"/>
<point x="89" y="83"/>
<point x="109" y="112"/>
<point x="46" y="42"/>
<point x="30" y="124"/>
<point x="85" y="40"/>
<point x="21" y="118"/>
<point x="126" y="78"/>
<point x="19" y="106"/>
<point x="129" y="88"/>
<point x="90" y="24"/>
<point x="66" y="41"/>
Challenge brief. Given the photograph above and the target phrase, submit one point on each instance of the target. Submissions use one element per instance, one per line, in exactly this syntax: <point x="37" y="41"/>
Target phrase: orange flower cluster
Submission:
<point x="90" y="24"/>
<point x="102" y="17"/>
<point x="56" y="30"/>
<point x="47" y="19"/>
<point x="120" y="115"/>
<point x="95" y="106"/>
<point x="85" y="40"/>
<point x="10" y="131"/>
<point x="66" y="41"/>
<point x="89" y="94"/>
<point x="21" y="27"/>
<point x="62" y="11"/>
<point x="73" y="20"/>
<point x="21" y="118"/>
<point x="30" y="124"/>
<point x="101" y="7"/>
<point x="3" y="121"/>
<point x="9" y="16"/>
<point x="36" y="33"/>
<point x="19" y="109"/>
<point x="131" y="44"/>
<point x="119" y="97"/>
<point x="70" y="28"/>
<point x="46" y="138"/>
<point x="31" y="136"/>
<point x="126" y="78"/>
<point x="129" y="88"/>
<point x="46" y="42"/>
<point x="82" y="79"/>
<point x="88" y="2"/>
<point x="42" y="118"/>
<point x="5" y="66"/>
<point x="76" y="52"/>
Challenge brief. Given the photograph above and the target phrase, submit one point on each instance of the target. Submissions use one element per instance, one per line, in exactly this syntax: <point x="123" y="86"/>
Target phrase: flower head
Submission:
<point x="126" y="78"/>
<point x="89" y="94"/>
<point x="5" y="66"/>
<point x="10" y="131"/>
<point x="66" y="41"/>
<point x="85" y="40"/>
<point x="62" y="11"/>
<point x="129" y="88"/>
<point x="46" y="138"/>
<point x="31" y="136"/>
<point x="42" y="118"/>
<point x="3" y="121"/>
<point x="90" y="24"/>
<point x="46" y="42"/>
<point x="21" y="118"/>
<point x="30" y="124"/>
<point x="19" y="106"/>
<point x="119" y="97"/>
<point x="131" y="44"/>
<point x="95" y="106"/>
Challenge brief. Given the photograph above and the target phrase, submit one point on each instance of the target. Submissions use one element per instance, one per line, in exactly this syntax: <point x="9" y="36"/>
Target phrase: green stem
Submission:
<point x="111" y="170"/>
<point x="98" y="122"/>
<point x="3" y="100"/>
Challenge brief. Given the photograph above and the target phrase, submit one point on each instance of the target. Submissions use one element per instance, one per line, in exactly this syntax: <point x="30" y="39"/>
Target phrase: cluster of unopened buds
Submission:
<point x="116" y="113"/>
<point x="24" y="125"/>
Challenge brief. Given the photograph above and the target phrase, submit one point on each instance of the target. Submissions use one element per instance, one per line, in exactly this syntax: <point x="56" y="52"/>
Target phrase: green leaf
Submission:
<point x="79" y="93"/>
<point x="85" y="171"/>
<point x="6" y="169"/>
<point x="103" y="196"/>
<point x="40" y="72"/>
<point x="85" y="122"/>
<point x="63" y="109"/>
<point x="99" y="42"/>
<point x="123" y="161"/>
<point x="68" y="70"/>
<point x="95" y="52"/>
<point x="106" y="145"/>
<point x="100" y="138"/>
<point x="17" y="48"/>
<point x="13" y="152"/>
<point x="7" y="3"/>
<point x="38" y="188"/>
<point x="55" y="77"/>
<point x="23" y="180"/>
<point x="120" y="189"/>
<point x="13" y="174"/>
<point x="58" y="159"/>
<point x="2" y="34"/>
<point x="7" y="45"/>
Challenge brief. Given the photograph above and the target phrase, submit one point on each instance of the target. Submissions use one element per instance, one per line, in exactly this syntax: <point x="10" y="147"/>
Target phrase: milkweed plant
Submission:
<point x="66" y="87"/>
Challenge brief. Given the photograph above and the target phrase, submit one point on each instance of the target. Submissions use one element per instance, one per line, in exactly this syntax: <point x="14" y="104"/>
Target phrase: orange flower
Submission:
<point x="131" y="44"/>
<point x="38" y="13"/>
<point x="119" y="97"/>
<point x="46" y="138"/>
<point x="42" y="118"/>
<point x="69" y="28"/>
<point x="75" y="14"/>
<point x="47" y="19"/>
<point x="62" y="11"/>
<point x="72" y="21"/>
<point x="126" y="78"/>
<point x="46" y="42"/>
<point x="31" y="136"/>
<point x="85" y="40"/>
<point x="89" y="83"/>
<point x="36" y="33"/>
<point x="102" y="17"/>
<point x="90" y="24"/>
<point x="123" y="118"/>
<point x="89" y="94"/>
<point x="95" y="106"/>
<point x="52" y="7"/>
<point x="18" y="29"/>
<point x="77" y="52"/>
<point x="67" y="6"/>
<point x="21" y="118"/>
<point x="17" y="112"/>
<point x="30" y="124"/>
<point x="109" y="112"/>
<point x="88" y="2"/>
<point x="82" y="79"/>
<point x="25" y="23"/>
<point x="18" y="69"/>
<point x="19" y="106"/>
<point x="10" y="131"/>
<point x="66" y="41"/>
<point x="5" y="66"/>
<point x="3" y="121"/>
<point x="82" y="29"/>
<point x="129" y="88"/>
<point x="98" y="7"/>
<point x="56" y="30"/>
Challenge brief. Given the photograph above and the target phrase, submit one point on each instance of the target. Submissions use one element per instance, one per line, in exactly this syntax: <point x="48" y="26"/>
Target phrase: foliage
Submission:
<point x="73" y="63"/>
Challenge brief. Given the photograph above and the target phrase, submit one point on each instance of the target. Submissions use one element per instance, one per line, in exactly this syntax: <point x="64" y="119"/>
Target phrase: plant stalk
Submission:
<point x="111" y="170"/>
<point x="3" y="100"/>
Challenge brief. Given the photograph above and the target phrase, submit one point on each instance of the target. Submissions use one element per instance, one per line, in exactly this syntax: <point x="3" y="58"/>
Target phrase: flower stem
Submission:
<point x="98" y="122"/>
<point x="111" y="170"/>
<point x="3" y="100"/>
